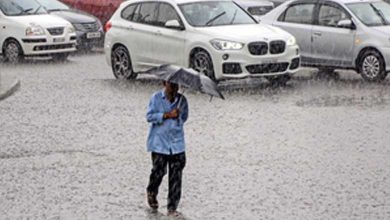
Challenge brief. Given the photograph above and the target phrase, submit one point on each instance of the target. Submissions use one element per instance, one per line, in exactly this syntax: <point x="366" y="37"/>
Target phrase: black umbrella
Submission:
<point x="188" y="78"/>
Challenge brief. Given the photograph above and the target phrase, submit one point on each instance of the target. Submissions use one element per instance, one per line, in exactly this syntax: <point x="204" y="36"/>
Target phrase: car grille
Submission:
<point x="87" y="27"/>
<point x="259" y="10"/>
<point x="277" y="47"/>
<point x="258" y="48"/>
<point x="56" y="31"/>
<point x="267" y="68"/>
<point x="53" y="47"/>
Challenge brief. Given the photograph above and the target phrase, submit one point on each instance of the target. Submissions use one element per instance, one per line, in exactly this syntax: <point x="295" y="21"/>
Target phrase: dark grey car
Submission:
<point x="89" y="29"/>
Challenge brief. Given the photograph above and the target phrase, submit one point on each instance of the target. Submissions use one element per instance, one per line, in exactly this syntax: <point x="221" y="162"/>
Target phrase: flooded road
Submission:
<point x="73" y="146"/>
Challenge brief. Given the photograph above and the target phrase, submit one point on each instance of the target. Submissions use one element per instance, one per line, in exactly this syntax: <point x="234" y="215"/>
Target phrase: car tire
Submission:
<point x="202" y="62"/>
<point x="121" y="63"/>
<point x="12" y="51"/>
<point x="279" y="80"/>
<point x="371" y="66"/>
<point x="60" y="57"/>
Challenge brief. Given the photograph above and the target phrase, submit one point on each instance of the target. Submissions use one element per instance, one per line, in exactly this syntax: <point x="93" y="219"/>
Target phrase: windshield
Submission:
<point x="53" y="5"/>
<point x="372" y="13"/>
<point x="215" y="13"/>
<point x="21" y="7"/>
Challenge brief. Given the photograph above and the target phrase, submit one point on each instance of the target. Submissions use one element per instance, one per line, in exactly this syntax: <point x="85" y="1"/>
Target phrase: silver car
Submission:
<point x="339" y="34"/>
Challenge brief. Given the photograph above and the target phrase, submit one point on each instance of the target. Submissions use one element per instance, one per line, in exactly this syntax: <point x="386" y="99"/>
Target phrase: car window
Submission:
<point x="165" y="13"/>
<point x="128" y="12"/>
<point x="21" y="7"/>
<point x="331" y="15"/>
<point x="145" y="13"/>
<point x="215" y="13"/>
<point x="51" y="5"/>
<point x="301" y="13"/>
<point x="372" y="13"/>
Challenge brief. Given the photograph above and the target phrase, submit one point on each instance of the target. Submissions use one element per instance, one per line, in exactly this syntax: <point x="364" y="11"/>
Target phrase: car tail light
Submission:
<point x="108" y="26"/>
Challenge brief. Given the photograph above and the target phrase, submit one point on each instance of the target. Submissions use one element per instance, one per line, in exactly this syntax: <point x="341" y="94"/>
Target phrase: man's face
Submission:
<point x="171" y="88"/>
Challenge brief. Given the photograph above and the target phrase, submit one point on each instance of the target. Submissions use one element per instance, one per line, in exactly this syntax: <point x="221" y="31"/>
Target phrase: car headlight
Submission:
<point x="226" y="45"/>
<point x="71" y="29"/>
<point x="291" y="41"/>
<point x="34" y="30"/>
<point x="78" y="27"/>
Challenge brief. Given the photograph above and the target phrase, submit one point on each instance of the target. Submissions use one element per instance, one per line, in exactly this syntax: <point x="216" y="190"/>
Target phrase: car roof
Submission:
<point x="176" y="1"/>
<point x="254" y="2"/>
<point x="353" y="1"/>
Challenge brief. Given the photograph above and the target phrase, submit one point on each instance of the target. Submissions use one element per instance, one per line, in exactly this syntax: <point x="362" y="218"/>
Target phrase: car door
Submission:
<point x="332" y="45"/>
<point x="297" y="19"/>
<point x="168" y="45"/>
<point x="139" y="33"/>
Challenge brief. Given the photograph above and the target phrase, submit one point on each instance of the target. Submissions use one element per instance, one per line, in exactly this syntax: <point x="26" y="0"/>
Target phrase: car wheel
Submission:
<point x="121" y="63"/>
<point x="12" y="51"/>
<point x="61" y="57"/>
<point x="372" y="66"/>
<point x="278" y="80"/>
<point x="201" y="62"/>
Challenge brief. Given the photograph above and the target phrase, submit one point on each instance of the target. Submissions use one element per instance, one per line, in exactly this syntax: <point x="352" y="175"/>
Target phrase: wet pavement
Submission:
<point x="73" y="147"/>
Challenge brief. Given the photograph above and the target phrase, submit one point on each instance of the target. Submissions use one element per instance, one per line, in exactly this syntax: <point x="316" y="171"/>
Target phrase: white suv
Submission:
<point x="216" y="38"/>
<point x="27" y="30"/>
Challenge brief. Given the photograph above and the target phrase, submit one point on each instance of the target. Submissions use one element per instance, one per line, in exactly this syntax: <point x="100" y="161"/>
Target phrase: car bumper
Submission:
<point x="43" y="45"/>
<point x="86" y="40"/>
<point x="242" y="64"/>
<point x="386" y="55"/>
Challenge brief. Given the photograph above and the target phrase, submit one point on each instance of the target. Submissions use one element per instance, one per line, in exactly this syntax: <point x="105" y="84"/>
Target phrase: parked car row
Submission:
<point x="104" y="9"/>
<point x="45" y="27"/>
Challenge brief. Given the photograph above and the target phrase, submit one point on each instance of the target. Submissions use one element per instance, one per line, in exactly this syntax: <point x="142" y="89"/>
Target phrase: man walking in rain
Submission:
<point x="167" y="112"/>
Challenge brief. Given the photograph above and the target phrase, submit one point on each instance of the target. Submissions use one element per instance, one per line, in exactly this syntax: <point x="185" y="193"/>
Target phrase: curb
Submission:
<point x="9" y="89"/>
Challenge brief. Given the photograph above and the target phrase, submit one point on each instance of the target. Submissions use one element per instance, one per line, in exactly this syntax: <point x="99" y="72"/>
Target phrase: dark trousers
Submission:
<point x="176" y="164"/>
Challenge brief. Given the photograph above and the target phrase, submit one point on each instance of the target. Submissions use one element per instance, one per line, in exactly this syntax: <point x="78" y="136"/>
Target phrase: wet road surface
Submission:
<point x="73" y="147"/>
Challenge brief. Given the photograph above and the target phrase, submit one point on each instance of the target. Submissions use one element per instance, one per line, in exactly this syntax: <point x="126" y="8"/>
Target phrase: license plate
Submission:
<point x="266" y="61"/>
<point x="59" y="40"/>
<point x="93" y="35"/>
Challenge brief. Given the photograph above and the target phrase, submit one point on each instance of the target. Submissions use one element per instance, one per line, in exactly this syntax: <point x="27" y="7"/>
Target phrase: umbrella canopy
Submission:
<point x="188" y="78"/>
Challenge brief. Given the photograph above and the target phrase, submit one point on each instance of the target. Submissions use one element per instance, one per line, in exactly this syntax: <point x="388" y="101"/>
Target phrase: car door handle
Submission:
<point x="317" y="34"/>
<point x="130" y="27"/>
<point x="158" y="33"/>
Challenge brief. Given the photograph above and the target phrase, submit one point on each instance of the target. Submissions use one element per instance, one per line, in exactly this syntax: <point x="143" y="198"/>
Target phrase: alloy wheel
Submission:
<point x="371" y="66"/>
<point x="12" y="52"/>
<point x="121" y="64"/>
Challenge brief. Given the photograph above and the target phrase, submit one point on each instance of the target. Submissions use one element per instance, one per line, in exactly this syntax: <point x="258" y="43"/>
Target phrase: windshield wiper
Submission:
<point x="380" y="14"/>
<point x="37" y="9"/>
<point x="25" y="11"/>
<point x="234" y="17"/>
<point x="214" y="18"/>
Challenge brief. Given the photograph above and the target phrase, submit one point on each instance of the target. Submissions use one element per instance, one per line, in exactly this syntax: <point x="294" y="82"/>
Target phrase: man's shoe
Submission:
<point x="152" y="200"/>
<point x="174" y="213"/>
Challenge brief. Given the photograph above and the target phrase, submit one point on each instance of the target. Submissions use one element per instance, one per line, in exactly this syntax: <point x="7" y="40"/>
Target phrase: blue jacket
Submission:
<point x="166" y="136"/>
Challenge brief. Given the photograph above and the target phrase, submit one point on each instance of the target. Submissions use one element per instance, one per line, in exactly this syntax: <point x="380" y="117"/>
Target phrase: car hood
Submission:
<point x="247" y="33"/>
<point x="74" y="17"/>
<point x="44" y="20"/>
<point x="383" y="29"/>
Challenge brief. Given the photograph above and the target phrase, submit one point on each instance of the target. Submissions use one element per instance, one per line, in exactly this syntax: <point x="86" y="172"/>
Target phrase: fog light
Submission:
<point x="225" y="56"/>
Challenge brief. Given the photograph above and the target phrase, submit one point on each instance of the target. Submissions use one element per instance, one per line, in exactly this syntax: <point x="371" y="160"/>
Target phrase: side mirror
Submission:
<point x="174" y="24"/>
<point x="347" y="23"/>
